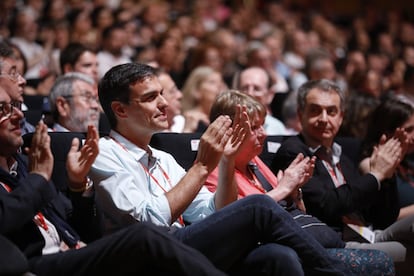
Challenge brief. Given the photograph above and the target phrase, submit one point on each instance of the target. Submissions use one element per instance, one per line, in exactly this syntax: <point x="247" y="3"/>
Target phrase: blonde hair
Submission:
<point x="226" y="102"/>
<point x="196" y="77"/>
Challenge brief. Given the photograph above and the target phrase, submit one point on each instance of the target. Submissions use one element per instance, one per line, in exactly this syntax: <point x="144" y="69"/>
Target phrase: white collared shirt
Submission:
<point x="130" y="184"/>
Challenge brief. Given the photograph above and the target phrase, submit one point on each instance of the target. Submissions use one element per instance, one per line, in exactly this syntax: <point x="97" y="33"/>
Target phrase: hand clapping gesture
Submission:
<point x="39" y="153"/>
<point x="79" y="162"/>
<point x="388" y="154"/>
<point x="241" y="132"/>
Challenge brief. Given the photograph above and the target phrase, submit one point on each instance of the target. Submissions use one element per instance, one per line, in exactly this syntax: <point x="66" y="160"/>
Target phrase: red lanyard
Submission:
<point x="335" y="174"/>
<point x="164" y="173"/>
<point x="39" y="219"/>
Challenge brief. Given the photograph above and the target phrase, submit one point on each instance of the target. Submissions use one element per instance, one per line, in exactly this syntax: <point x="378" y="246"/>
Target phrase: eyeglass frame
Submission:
<point x="12" y="106"/>
<point x="14" y="75"/>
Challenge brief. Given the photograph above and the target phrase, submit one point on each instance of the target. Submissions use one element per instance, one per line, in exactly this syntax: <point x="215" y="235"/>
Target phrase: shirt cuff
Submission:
<point x="378" y="182"/>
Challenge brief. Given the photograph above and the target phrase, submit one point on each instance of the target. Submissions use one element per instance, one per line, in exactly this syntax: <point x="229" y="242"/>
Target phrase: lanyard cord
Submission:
<point x="164" y="173"/>
<point x="39" y="218"/>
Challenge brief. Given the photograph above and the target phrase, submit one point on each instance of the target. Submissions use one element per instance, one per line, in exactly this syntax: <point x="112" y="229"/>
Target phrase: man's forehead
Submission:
<point x="317" y="95"/>
<point x="7" y="63"/>
<point x="253" y="73"/>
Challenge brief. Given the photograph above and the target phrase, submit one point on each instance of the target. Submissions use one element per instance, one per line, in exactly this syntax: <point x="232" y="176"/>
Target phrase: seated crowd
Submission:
<point x="84" y="191"/>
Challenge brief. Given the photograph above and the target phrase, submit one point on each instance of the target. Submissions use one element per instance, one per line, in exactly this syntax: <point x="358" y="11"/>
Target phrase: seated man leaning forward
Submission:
<point x="135" y="182"/>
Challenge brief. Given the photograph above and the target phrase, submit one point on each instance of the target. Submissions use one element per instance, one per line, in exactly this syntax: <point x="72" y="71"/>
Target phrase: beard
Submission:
<point x="80" y="120"/>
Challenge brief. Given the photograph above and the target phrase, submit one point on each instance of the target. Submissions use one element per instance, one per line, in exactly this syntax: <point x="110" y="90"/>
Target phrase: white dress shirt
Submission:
<point x="130" y="185"/>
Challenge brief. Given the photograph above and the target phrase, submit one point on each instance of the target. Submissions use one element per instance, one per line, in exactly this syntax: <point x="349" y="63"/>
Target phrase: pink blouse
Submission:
<point x="245" y="186"/>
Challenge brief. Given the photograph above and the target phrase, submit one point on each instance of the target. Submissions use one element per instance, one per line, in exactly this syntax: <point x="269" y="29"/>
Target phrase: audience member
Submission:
<point x="337" y="193"/>
<point x="33" y="215"/>
<point x="359" y="107"/>
<point x="113" y="40"/>
<point x="173" y="96"/>
<point x="137" y="182"/>
<point x="255" y="82"/>
<point x="319" y="64"/>
<point x="259" y="55"/>
<point x="254" y="177"/>
<point x="199" y="92"/>
<point x="78" y="58"/>
<point x="80" y="27"/>
<point x="394" y="112"/>
<point x="74" y="103"/>
<point x="12" y="81"/>
<point x="24" y="33"/>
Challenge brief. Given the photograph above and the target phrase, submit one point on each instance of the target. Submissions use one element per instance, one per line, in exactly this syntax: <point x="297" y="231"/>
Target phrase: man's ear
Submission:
<point x="62" y="107"/>
<point x="119" y="109"/>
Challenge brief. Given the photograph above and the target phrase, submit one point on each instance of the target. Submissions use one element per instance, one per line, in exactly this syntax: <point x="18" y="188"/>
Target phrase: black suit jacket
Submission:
<point x="328" y="203"/>
<point x="30" y="194"/>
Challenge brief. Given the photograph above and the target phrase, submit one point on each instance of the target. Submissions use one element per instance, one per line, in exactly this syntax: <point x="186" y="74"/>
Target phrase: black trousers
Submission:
<point x="141" y="249"/>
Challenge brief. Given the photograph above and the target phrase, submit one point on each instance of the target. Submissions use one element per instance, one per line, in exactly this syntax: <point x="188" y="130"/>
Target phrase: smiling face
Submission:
<point x="10" y="133"/>
<point x="146" y="112"/>
<point x="321" y="117"/>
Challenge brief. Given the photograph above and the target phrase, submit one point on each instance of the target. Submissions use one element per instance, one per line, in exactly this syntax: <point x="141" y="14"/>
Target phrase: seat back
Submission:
<point x="60" y="143"/>
<point x="270" y="147"/>
<point x="183" y="146"/>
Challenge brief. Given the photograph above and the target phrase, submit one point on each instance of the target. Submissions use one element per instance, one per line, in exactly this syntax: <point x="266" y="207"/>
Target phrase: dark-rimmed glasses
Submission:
<point x="7" y="109"/>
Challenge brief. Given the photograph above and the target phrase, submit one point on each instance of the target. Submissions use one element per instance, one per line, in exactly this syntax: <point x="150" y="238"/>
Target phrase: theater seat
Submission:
<point x="60" y="143"/>
<point x="183" y="146"/>
<point x="270" y="147"/>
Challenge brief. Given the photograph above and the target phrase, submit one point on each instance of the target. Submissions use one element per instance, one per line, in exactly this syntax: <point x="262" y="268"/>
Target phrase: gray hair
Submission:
<point x="63" y="87"/>
<point x="323" y="85"/>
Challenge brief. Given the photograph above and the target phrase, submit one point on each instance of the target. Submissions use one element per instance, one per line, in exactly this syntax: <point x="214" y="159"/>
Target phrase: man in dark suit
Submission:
<point x="337" y="193"/>
<point x="34" y="215"/>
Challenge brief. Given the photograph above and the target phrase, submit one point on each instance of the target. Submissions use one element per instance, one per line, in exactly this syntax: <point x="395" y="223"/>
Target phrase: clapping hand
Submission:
<point x="39" y="153"/>
<point x="79" y="162"/>
<point x="241" y="133"/>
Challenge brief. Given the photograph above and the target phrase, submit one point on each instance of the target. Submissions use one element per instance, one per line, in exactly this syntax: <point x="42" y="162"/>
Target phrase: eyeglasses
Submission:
<point x="7" y="109"/>
<point x="89" y="98"/>
<point x="13" y="74"/>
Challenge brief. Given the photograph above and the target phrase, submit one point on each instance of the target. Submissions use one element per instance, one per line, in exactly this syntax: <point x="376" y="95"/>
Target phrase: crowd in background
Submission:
<point x="370" y="54"/>
<point x="201" y="49"/>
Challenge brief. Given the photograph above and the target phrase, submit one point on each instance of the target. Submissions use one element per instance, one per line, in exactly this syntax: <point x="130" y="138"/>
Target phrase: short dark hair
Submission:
<point x="6" y="50"/>
<point x="323" y="85"/>
<point x="115" y="85"/>
<point x="71" y="54"/>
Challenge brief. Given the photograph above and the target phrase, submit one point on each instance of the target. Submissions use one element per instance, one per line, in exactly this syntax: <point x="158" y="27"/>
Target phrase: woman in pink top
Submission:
<point x="286" y="186"/>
